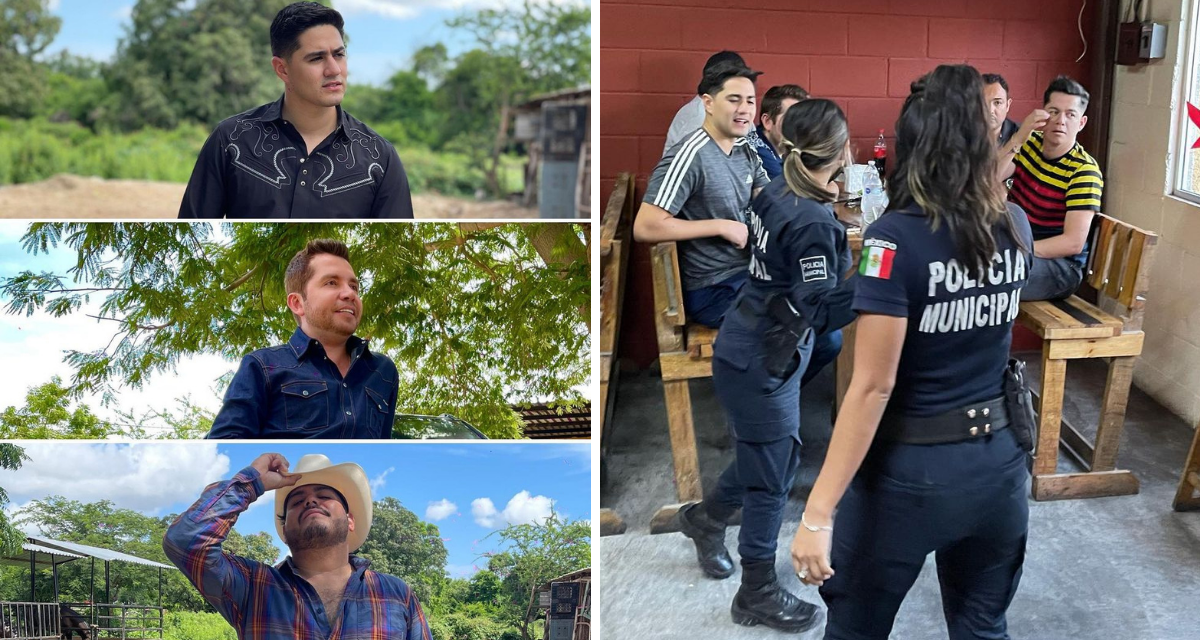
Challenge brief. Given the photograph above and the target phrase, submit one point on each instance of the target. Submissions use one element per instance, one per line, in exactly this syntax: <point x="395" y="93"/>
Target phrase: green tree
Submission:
<point x="11" y="539"/>
<point x="402" y="545"/>
<point x="259" y="547"/>
<point x="536" y="554"/>
<point x="48" y="414"/>
<point x="536" y="47"/>
<point x="26" y="28"/>
<point x="478" y="316"/>
<point x="203" y="63"/>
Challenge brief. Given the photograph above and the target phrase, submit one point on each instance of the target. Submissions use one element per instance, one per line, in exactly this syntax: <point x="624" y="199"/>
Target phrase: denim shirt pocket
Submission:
<point x="306" y="405"/>
<point x="378" y="412"/>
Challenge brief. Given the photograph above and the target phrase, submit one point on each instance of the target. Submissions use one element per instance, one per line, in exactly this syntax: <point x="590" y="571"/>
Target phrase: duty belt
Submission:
<point x="975" y="420"/>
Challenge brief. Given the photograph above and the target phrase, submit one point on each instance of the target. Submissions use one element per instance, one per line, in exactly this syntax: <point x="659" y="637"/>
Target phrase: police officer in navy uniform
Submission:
<point x="924" y="457"/>
<point x="795" y="292"/>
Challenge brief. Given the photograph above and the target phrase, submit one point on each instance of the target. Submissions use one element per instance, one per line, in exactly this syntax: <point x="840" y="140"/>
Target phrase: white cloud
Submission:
<point x="380" y="480"/>
<point x="440" y="510"/>
<point x="124" y="13"/>
<point x="521" y="509"/>
<point x="484" y="512"/>
<point x="152" y="478"/>
<point x="53" y="4"/>
<point x="527" y="509"/>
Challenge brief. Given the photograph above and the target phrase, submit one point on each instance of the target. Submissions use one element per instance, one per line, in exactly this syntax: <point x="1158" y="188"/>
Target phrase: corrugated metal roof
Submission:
<point x="97" y="552"/>
<point x="43" y="556"/>
<point x="543" y="422"/>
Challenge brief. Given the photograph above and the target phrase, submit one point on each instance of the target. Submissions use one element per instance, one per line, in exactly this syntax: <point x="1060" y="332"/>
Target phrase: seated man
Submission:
<point x="700" y="192"/>
<point x="766" y="138"/>
<point x="1059" y="185"/>
<point x="691" y="115"/>
<point x="325" y="382"/>
<point x="995" y="92"/>
<point x="699" y="195"/>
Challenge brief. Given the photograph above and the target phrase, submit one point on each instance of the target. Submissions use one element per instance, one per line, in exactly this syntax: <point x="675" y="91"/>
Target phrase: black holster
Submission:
<point x="1019" y="400"/>
<point x="787" y="330"/>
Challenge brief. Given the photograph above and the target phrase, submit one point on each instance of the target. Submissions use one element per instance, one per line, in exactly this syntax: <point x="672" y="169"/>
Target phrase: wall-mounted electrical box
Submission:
<point x="1141" y="42"/>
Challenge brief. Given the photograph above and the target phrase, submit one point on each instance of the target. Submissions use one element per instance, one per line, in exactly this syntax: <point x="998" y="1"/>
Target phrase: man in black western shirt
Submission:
<point x="301" y="156"/>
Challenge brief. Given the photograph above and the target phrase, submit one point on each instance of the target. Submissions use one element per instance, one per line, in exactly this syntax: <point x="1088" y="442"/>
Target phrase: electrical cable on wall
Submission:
<point x="1079" y="23"/>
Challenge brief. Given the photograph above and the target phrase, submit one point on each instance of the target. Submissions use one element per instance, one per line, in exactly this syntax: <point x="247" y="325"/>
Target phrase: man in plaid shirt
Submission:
<point x="323" y="514"/>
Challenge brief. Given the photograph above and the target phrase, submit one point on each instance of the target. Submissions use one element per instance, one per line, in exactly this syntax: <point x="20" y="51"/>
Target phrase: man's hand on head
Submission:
<point x="273" y="470"/>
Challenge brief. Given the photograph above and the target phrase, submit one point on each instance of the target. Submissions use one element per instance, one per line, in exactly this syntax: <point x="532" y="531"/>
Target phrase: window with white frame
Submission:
<point x="1187" y="160"/>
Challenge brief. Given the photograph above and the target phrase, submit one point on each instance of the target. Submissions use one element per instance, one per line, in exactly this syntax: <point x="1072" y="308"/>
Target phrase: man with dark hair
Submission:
<point x="323" y="514"/>
<point x="301" y="156"/>
<point x="691" y="115"/>
<point x="1059" y="185"/>
<point x="700" y="192"/>
<point x="995" y="92"/>
<point x="766" y="138"/>
<point x="324" y="383"/>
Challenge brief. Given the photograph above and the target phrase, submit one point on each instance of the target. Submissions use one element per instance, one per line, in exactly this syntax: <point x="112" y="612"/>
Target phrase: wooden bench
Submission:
<point x="615" y="227"/>
<point x="1187" y="498"/>
<point x="1118" y="273"/>
<point x="684" y="353"/>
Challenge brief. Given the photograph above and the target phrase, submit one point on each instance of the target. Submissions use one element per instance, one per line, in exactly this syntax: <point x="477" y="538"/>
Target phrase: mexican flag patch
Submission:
<point x="877" y="262"/>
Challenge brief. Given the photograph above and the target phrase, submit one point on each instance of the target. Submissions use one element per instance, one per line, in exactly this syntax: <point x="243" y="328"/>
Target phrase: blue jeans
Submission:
<point x="1052" y="278"/>
<point x="707" y="305"/>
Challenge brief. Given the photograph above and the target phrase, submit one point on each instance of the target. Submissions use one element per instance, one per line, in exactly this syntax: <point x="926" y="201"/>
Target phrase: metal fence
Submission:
<point x="125" y="621"/>
<point x="29" y="620"/>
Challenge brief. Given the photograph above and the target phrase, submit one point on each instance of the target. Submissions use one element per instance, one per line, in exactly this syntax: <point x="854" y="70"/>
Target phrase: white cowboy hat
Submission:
<point x="347" y="478"/>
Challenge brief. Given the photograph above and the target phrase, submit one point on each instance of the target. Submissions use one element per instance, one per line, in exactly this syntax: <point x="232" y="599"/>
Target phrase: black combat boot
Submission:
<point x="709" y="536"/>
<point x="761" y="600"/>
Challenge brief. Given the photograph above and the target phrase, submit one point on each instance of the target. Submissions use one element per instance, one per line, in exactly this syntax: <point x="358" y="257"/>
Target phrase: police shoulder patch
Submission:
<point x="813" y="268"/>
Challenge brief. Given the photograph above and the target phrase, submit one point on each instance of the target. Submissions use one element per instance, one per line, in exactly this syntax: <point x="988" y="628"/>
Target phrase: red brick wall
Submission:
<point x="861" y="53"/>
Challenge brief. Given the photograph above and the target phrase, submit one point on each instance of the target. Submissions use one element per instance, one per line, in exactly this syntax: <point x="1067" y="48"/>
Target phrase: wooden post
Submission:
<point x="1112" y="413"/>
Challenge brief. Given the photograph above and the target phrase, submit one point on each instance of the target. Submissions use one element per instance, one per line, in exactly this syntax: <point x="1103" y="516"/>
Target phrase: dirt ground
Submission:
<point x="68" y="196"/>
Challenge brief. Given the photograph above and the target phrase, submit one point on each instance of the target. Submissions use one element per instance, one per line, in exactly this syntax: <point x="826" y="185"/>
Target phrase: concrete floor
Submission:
<point x="1123" y="568"/>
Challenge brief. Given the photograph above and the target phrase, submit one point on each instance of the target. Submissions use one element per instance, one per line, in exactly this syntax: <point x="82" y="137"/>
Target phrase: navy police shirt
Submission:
<point x="797" y="246"/>
<point x="959" y="321"/>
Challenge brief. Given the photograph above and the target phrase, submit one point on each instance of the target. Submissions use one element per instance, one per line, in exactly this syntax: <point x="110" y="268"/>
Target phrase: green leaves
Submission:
<point x="477" y="316"/>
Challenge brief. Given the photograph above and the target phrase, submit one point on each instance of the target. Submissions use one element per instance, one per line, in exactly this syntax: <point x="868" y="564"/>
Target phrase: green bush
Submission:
<point x="33" y="150"/>
<point x="195" y="625"/>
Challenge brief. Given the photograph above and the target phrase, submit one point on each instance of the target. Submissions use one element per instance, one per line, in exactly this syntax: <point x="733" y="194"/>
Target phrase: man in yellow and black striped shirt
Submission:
<point x="1059" y="186"/>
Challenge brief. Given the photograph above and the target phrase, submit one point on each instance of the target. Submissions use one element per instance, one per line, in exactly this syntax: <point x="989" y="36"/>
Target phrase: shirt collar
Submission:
<point x="301" y="344"/>
<point x="762" y="136"/>
<point x="274" y="113"/>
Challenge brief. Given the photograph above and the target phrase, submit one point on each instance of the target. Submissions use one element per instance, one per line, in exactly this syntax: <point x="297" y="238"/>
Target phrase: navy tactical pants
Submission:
<point x="964" y="502"/>
<point x="758" y="481"/>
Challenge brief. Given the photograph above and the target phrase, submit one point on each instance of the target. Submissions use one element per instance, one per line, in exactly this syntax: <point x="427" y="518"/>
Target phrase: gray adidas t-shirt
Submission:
<point x="696" y="180"/>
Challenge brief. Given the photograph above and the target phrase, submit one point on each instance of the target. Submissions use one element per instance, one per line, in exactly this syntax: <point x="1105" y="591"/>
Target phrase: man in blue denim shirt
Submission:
<point x="325" y="382"/>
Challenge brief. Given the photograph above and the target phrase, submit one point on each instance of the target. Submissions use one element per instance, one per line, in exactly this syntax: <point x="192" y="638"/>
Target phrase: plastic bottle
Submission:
<point x="874" y="199"/>
<point x="881" y="154"/>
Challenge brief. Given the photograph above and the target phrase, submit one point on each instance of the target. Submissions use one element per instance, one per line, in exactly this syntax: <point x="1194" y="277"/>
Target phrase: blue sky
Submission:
<point x="383" y="33"/>
<point x="467" y="490"/>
